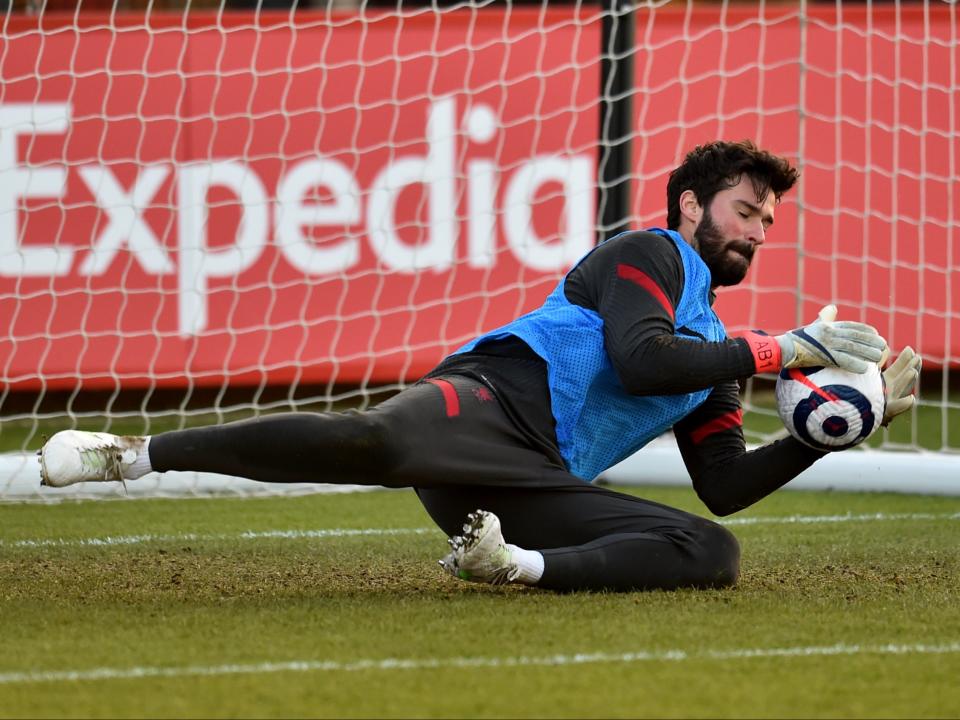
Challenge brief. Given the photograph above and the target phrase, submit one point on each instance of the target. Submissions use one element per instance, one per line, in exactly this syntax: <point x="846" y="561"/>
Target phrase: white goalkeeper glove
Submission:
<point x="899" y="380"/>
<point x="826" y="342"/>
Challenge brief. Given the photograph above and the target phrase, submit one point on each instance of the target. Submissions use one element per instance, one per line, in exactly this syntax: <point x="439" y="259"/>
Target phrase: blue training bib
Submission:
<point x="597" y="423"/>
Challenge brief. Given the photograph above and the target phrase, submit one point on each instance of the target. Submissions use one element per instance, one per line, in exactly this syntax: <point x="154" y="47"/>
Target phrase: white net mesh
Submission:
<point x="211" y="213"/>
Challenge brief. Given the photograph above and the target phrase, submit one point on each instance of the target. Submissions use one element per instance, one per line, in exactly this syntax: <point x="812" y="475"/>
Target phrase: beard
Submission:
<point x="728" y="260"/>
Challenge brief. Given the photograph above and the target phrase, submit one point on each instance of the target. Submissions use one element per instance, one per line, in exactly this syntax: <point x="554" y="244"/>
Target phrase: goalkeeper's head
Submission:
<point x="720" y="165"/>
<point x="722" y="198"/>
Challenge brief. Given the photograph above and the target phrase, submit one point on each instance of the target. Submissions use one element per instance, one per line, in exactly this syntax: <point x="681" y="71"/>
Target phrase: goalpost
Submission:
<point x="208" y="214"/>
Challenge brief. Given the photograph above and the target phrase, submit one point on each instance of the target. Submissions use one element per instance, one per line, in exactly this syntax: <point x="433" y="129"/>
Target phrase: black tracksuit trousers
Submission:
<point x="450" y="440"/>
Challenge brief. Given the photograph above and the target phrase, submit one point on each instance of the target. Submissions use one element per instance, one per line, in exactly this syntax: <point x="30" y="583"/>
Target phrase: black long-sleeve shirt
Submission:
<point x="634" y="282"/>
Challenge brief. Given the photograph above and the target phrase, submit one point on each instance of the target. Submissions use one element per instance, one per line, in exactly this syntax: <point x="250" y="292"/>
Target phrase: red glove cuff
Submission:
<point x="765" y="349"/>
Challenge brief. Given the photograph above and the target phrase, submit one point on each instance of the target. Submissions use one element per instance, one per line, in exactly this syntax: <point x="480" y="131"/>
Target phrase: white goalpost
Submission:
<point x="209" y="213"/>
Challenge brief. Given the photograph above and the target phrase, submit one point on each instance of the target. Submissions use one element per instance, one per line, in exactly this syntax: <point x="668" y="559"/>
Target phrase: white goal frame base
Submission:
<point x="20" y="482"/>
<point x="659" y="463"/>
<point x="923" y="473"/>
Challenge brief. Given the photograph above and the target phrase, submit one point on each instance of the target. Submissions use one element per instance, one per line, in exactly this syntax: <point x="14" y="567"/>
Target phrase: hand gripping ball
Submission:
<point x="828" y="408"/>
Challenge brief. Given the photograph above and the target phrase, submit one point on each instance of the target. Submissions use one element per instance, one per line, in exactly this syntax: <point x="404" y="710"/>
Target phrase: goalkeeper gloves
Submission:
<point x="825" y="342"/>
<point x="899" y="380"/>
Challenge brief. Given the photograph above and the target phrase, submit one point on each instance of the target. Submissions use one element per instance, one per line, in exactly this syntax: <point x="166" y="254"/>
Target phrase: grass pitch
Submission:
<point x="333" y="606"/>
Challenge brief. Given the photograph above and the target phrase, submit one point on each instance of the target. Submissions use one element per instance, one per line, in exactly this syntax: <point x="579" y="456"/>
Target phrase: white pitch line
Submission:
<point x="387" y="664"/>
<point x="194" y="537"/>
<point x="117" y="540"/>
<point x="815" y="519"/>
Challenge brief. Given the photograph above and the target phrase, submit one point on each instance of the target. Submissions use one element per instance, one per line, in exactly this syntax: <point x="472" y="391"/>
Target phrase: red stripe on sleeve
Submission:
<point x="734" y="418"/>
<point x="450" y="398"/>
<point x="766" y="351"/>
<point x="635" y="275"/>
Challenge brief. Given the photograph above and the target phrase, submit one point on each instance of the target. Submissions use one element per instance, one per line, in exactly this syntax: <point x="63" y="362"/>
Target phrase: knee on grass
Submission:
<point x="717" y="554"/>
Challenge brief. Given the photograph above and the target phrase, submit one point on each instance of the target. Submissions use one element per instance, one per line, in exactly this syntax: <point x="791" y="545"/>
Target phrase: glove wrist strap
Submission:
<point x="767" y="355"/>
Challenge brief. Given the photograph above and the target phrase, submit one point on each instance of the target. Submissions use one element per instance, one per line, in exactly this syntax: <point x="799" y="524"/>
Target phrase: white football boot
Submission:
<point x="73" y="456"/>
<point x="481" y="554"/>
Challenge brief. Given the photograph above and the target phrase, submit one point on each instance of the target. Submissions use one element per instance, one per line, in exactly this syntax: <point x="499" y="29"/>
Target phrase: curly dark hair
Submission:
<point x="708" y="169"/>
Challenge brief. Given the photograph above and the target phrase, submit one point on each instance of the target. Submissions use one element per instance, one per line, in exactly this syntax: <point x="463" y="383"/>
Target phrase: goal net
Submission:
<point x="210" y="213"/>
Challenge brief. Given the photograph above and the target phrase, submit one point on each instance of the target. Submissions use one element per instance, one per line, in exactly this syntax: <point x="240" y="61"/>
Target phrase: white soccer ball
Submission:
<point x="828" y="408"/>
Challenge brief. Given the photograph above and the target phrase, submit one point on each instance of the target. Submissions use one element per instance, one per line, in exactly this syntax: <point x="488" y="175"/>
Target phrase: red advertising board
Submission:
<point x="248" y="200"/>
<point x="349" y="200"/>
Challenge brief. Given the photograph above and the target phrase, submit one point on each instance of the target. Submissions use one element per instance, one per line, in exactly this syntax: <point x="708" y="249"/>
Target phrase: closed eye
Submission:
<point x="747" y="211"/>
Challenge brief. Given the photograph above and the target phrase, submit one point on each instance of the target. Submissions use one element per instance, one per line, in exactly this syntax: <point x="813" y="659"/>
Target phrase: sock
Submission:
<point x="141" y="466"/>
<point x="530" y="563"/>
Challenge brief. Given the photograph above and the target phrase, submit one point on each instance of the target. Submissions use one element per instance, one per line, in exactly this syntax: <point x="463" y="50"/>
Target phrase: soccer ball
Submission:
<point x="828" y="408"/>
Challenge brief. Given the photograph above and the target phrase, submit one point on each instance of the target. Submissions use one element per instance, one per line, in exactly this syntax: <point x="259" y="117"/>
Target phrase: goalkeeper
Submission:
<point x="519" y="421"/>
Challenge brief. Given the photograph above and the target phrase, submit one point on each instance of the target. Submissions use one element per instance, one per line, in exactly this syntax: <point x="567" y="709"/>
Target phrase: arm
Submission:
<point x="725" y="476"/>
<point x="634" y="283"/>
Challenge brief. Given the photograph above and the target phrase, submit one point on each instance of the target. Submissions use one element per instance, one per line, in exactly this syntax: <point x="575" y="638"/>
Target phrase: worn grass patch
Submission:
<point x="847" y="607"/>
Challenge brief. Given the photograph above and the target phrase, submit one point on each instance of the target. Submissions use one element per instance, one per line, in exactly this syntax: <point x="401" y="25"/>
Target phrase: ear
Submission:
<point x="690" y="207"/>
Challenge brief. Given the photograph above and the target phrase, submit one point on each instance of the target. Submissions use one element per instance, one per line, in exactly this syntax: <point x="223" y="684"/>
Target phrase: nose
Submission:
<point x="755" y="232"/>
